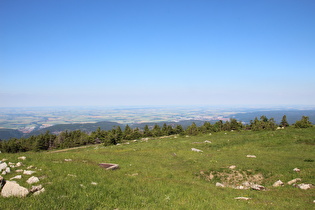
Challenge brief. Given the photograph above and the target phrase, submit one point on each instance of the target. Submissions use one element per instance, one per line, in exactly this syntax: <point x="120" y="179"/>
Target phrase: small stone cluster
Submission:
<point x="12" y="188"/>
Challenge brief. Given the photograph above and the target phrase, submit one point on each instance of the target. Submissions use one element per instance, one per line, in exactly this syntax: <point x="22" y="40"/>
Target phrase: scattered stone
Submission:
<point x="36" y="188"/>
<point x="19" y="171"/>
<point x="18" y="164"/>
<point x="241" y="187"/>
<point x="257" y="187"/>
<point x="22" y="158"/>
<point x="11" y="188"/>
<point x="296" y="169"/>
<point x="72" y="175"/>
<point x="135" y="174"/>
<point x="93" y="183"/>
<point x="293" y="181"/>
<point x="278" y="183"/>
<point x="232" y="167"/>
<point x="109" y="166"/>
<point x="208" y="142"/>
<point x="39" y="191"/>
<point x="4" y="173"/>
<point x="28" y="172"/>
<point x="32" y="180"/>
<point x="3" y="166"/>
<point x="8" y="170"/>
<point x="17" y="177"/>
<point x="242" y="198"/>
<point x="305" y="186"/>
<point x="29" y="167"/>
<point x="218" y="184"/>
<point x="3" y="160"/>
<point x="196" y="150"/>
<point x="68" y="160"/>
<point x="251" y="156"/>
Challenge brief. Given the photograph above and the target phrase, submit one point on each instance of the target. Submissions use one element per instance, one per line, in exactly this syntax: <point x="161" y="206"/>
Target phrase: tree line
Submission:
<point x="68" y="139"/>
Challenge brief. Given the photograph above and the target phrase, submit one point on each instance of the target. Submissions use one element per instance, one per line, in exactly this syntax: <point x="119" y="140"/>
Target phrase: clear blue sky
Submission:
<point x="157" y="52"/>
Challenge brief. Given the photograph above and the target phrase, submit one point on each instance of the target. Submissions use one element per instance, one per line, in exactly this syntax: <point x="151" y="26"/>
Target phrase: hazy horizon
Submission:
<point x="157" y="53"/>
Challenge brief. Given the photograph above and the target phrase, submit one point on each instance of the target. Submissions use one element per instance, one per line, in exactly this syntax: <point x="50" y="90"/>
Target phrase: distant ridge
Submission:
<point x="292" y="115"/>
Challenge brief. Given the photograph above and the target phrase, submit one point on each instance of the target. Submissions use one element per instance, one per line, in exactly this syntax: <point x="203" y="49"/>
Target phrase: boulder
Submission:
<point x="305" y="186"/>
<point x="22" y="158"/>
<point x="218" y="184"/>
<point x="11" y="188"/>
<point x="109" y="166"/>
<point x="296" y="170"/>
<point x="3" y="166"/>
<point x="257" y="187"/>
<point x="232" y="167"/>
<point x="32" y="180"/>
<point x="36" y="188"/>
<point x="293" y="181"/>
<point x="28" y="172"/>
<point x="39" y="191"/>
<point x="278" y="183"/>
<point x="17" y="177"/>
<point x="196" y="150"/>
<point x="18" y="164"/>
<point x="242" y="198"/>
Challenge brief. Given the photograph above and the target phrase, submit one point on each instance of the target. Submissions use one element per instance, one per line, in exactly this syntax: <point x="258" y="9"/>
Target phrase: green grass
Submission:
<point x="166" y="174"/>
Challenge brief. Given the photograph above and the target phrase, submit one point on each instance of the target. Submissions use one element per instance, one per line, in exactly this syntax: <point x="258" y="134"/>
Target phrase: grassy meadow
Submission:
<point x="163" y="173"/>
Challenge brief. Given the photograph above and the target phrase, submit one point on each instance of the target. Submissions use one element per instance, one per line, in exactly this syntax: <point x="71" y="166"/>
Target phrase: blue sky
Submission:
<point x="157" y="52"/>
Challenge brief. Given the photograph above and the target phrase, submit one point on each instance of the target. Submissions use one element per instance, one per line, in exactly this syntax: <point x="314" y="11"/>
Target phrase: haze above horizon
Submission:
<point x="166" y="52"/>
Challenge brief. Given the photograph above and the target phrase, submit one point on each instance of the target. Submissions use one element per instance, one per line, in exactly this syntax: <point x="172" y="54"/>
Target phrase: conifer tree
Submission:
<point x="284" y="122"/>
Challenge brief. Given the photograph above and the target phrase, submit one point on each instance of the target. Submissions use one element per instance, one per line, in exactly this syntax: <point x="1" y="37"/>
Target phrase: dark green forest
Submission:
<point x="68" y="139"/>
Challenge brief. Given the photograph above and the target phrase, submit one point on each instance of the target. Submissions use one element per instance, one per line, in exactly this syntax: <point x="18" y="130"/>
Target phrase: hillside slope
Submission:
<point x="164" y="173"/>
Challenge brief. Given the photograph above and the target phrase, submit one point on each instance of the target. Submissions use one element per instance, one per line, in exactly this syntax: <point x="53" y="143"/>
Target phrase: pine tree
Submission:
<point x="284" y="122"/>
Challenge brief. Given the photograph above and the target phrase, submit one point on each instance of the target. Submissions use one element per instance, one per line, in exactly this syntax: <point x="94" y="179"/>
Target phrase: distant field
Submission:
<point x="164" y="173"/>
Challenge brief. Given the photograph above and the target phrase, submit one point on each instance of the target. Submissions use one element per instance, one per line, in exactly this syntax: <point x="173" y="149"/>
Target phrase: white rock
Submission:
<point x="293" y="181"/>
<point x="29" y="167"/>
<point x="278" y="183"/>
<point x="19" y="171"/>
<point x="296" y="169"/>
<point x="304" y="186"/>
<point x="242" y="198"/>
<point x="28" y="172"/>
<point x="32" y="180"/>
<point x="257" y="187"/>
<point x="218" y="184"/>
<point x="17" y="177"/>
<point x="93" y="183"/>
<point x="22" y="158"/>
<point x="196" y="150"/>
<point x="68" y="160"/>
<point x="208" y="142"/>
<point x="18" y="164"/>
<point x="36" y="188"/>
<point x="39" y="191"/>
<point x="251" y="156"/>
<point x="232" y="167"/>
<point x="3" y="166"/>
<point x="4" y="173"/>
<point x="8" y="170"/>
<point x="11" y="188"/>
